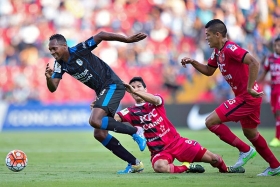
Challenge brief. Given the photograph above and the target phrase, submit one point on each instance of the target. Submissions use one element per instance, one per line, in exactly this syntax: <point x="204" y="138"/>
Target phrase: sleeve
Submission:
<point x="57" y="71"/>
<point x="85" y="47"/>
<point x="161" y="99"/>
<point x="212" y="61"/>
<point x="235" y="52"/>
<point x="124" y="115"/>
<point x="266" y="64"/>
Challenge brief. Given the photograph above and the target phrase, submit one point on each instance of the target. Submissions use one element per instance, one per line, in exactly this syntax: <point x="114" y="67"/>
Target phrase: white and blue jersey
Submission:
<point x="86" y="67"/>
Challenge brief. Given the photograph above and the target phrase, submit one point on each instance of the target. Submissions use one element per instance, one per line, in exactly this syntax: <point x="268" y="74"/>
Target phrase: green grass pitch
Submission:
<point x="76" y="159"/>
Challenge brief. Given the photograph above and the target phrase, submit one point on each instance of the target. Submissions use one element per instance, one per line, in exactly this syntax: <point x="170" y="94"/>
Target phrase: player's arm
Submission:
<point x="108" y="36"/>
<point x="265" y="71"/>
<point x="52" y="83"/>
<point x="254" y="67"/>
<point x="202" y="68"/>
<point x="150" y="98"/>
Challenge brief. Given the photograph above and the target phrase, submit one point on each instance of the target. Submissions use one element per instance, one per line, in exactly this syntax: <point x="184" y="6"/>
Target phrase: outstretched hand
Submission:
<point x="254" y="93"/>
<point x="186" y="60"/>
<point x="136" y="37"/>
<point x="128" y="88"/>
<point x="48" y="72"/>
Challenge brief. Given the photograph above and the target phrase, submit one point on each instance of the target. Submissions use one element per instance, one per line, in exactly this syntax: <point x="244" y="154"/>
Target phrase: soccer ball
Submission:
<point x="16" y="160"/>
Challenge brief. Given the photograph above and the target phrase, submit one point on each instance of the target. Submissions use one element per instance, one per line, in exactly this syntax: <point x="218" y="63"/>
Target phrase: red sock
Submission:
<point x="263" y="149"/>
<point x="220" y="165"/>
<point x="277" y="129"/>
<point x="177" y="169"/>
<point x="225" y="134"/>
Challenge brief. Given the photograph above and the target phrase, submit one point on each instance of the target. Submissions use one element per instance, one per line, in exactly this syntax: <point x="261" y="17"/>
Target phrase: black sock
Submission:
<point x="115" y="146"/>
<point x="109" y="123"/>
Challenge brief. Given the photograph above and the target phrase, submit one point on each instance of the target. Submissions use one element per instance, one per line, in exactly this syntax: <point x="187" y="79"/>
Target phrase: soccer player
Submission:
<point x="82" y="64"/>
<point x="163" y="140"/>
<point x="240" y="70"/>
<point x="272" y="64"/>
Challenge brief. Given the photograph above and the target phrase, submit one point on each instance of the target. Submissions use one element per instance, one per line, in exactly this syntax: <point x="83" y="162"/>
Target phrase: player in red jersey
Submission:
<point x="163" y="140"/>
<point x="240" y="70"/>
<point x="272" y="64"/>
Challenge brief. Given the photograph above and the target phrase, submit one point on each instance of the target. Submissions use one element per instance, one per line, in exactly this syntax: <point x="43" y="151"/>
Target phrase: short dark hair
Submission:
<point x="138" y="79"/>
<point x="277" y="38"/>
<point x="58" y="37"/>
<point x="217" y="25"/>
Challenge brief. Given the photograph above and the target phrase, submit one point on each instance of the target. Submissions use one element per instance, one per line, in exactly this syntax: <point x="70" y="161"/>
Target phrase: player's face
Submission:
<point x="211" y="38"/>
<point x="138" y="86"/>
<point x="57" y="49"/>
<point x="277" y="47"/>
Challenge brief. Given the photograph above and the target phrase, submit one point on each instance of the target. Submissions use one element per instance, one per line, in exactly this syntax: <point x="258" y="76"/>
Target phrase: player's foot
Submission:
<point x="270" y="172"/>
<point x="275" y="142"/>
<point x="140" y="138"/>
<point x="132" y="168"/>
<point x="244" y="157"/>
<point x="194" y="168"/>
<point x="231" y="169"/>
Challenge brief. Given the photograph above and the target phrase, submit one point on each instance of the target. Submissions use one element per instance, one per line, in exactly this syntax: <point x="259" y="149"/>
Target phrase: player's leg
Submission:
<point x="104" y="110"/>
<point x="231" y="110"/>
<point x="275" y="105"/>
<point x="216" y="161"/>
<point x="111" y="143"/>
<point x="163" y="163"/>
<point x="215" y="125"/>
<point x="262" y="148"/>
<point x="275" y="142"/>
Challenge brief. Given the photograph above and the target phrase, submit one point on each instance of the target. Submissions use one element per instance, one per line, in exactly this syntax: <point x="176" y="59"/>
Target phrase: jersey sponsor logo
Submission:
<point x="195" y="120"/>
<point x="221" y="67"/>
<point x="84" y="76"/>
<point x="57" y="67"/>
<point x="79" y="62"/>
<point x="148" y="117"/>
<point x="212" y="55"/>
<point x="84" y="45"/>
<point x="102" y="92"/>
<point x="124" y="111"/>
<point x="221" y="57"/>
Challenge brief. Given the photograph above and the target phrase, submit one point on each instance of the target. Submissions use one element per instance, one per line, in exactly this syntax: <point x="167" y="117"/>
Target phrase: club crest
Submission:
<point x="79" y="62"/>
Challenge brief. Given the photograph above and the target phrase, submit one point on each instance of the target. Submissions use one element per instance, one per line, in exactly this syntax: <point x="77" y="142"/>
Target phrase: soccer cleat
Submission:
<point x="275" y="142"/>
<point x="270" y="172"/>
<point x="132" y="168"/>
<point x="231" y="169"/>
<point x="194" y="168"/>
<point x="140" y="138"/>
<point x="245" y="157"/>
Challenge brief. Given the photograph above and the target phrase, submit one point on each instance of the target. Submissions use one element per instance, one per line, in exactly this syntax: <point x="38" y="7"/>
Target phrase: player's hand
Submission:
<point x="48" y="72"/>
<point x="136" y="37"/>
<point x="128" y="88"/>
<point x="92" y="104"/>
<point x="254" y="93"/>
<point x="186" y="60"/>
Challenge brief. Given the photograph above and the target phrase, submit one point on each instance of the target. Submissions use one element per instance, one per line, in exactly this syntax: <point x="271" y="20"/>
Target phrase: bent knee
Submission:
<point x="100" y="135"/>
<point x="96" y="123"/>
<point x="161" y="166"/>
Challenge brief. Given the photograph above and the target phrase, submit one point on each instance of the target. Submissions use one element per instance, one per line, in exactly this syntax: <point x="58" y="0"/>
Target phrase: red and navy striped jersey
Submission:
<point x="158" y="129"/>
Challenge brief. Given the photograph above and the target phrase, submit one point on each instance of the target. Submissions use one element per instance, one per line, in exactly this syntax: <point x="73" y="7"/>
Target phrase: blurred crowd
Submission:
<point x="175" y="29"/>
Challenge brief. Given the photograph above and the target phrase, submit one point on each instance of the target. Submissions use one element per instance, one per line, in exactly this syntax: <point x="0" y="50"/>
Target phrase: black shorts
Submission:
<point x="109" y="98"/>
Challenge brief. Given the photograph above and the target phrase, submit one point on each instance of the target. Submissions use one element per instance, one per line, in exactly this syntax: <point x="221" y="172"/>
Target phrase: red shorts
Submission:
<point x="275" y="101"/>
<point x="245" y="109"/>
<point x="184" y="150"/>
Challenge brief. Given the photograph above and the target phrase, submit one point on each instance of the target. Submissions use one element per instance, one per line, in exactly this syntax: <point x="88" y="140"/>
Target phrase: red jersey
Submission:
<point x="272" y="64"/>
<point x="158" y="130"/>
<point x="229" y="59"/>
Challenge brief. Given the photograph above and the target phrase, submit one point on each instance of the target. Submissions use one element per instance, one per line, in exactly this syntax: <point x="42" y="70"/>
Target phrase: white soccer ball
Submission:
<point x="16" y="160"/>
